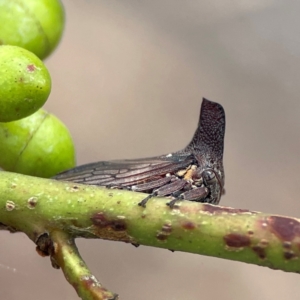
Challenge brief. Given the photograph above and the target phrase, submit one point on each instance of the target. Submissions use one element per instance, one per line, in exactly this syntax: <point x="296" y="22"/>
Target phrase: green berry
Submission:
<point x="25" y="83"/>
<point x="35" y="25"/>
<point x="39" y="145"/>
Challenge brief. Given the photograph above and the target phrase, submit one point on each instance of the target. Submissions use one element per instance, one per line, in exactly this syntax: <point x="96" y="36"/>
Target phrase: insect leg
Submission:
<point x="151" y="185"/>
<point x="165" y="190"/>
<point x="197" y="194"/>
<point x="145" y="200"/>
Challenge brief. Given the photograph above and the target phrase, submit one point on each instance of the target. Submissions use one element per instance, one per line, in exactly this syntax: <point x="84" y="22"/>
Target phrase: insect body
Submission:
<point x="195" y="173"/>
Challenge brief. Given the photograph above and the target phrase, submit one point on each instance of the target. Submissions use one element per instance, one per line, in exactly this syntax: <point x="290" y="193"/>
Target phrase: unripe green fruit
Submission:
<point x="39" y="145"/>
<point x="25" y="83"/>
<point x="35" y="25"/>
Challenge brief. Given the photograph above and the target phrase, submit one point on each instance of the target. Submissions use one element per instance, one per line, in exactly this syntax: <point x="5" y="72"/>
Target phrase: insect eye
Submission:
<point x="208" y="175"/>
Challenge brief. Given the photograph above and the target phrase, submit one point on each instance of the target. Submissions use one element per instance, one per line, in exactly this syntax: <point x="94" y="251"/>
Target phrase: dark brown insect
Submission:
<point x="195" y="173"/>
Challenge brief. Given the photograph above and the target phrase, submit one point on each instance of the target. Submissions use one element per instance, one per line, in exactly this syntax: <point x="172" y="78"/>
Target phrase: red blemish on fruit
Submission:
<point x="31" y="68"/>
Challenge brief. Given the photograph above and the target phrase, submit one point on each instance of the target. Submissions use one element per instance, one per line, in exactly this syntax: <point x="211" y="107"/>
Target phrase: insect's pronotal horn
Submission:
<point x="210" y="133"/>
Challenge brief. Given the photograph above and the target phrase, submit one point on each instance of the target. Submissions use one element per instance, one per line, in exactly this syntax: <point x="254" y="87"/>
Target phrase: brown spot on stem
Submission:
<point x="188" y="225"/>
<point x="10" y="205"/>
<point x="31" y="68"/>
<point x="90" y="283"/>
<point x="111" y="228"/>
<point x="118" y="225"/>
<point x="260" y="251"/>
<point x="75" y="187"/>
<point x="237" y="240"/>
<point x="289" y="254"/>
<point x="161" y="236"/>
<point x="165" y="231"/>
<point x="101" y="221"/>
<point x="216" y="210"/>
<point x="32" y="202"/>
<point x="284" y="228"/>
<point x="167" y="228"/>
<point x="44" y="245"/>
<point x="287" y="245"/>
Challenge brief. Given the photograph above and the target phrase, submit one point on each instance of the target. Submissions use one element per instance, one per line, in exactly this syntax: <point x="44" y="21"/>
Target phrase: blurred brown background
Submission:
<point x="128" y="78"/>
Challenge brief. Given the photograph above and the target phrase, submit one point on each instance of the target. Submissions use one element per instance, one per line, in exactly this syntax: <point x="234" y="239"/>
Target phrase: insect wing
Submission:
<point x="122" y="173"/>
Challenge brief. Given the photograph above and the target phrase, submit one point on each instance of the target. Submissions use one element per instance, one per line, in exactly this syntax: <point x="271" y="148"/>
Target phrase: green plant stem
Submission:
<point x="42" y="206"/>
<point x="75" y="270"/>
